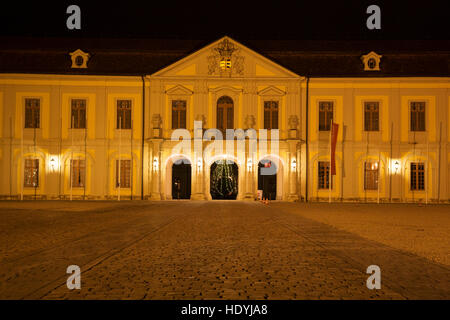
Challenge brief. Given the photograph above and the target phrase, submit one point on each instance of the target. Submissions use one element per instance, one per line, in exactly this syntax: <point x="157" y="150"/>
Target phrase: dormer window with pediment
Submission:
<point x="371" y="61"/>
<point x="79" y="59"/>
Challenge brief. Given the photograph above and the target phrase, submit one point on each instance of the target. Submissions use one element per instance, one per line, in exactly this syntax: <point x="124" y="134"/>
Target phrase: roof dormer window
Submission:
<point x="79" y="59"/>
<point x="371" y="61"/>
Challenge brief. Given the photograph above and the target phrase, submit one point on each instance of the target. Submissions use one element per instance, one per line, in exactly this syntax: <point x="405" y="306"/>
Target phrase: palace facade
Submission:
<point x="83" y="130"/>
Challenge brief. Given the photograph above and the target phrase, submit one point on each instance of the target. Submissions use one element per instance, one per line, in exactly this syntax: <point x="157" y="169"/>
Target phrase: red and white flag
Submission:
<point x="334" y="134"/>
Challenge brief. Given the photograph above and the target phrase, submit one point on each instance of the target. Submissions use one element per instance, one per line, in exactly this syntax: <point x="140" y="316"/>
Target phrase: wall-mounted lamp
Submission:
<point x="396" y="166"/>
<point x="199" y="163"/>
<point x="294" y="164"/>
<point x="53" y="163"/>
<point x="249" y="164"/>
<point x="155" y="163"/>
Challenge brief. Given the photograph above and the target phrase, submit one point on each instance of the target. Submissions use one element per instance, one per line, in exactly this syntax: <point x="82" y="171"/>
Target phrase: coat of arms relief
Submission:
<point x="225" y="60"/>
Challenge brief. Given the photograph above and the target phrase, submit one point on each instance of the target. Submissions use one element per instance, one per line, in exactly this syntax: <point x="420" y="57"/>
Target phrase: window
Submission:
<point x="178" y="114"/>
<point x="371" y="63"/>
<point x="78" y="172"/>
<point x="123" y="114"/>
<point x="78" y="114"/>
<point x="371" y="176"/>
<point x="123" y="171"/>
<point x="417" y="176"/>
<point x="31" y="174"/>
<point x="324" y="174"/>
<point x="225" y="113"/>
<point x="270" y="114"/>
<point x="325" y="115"/>
<point x="417" y="116"/>
<point x="371" y="116"/>
<point x="32" y="113"/>
<point x="79" y="61"/>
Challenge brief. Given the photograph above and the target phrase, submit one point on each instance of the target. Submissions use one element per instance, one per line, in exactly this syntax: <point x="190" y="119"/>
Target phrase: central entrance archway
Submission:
<point x="181" y="180"/>
<point x="224" y="177"/>
<point x="267" y="180"/>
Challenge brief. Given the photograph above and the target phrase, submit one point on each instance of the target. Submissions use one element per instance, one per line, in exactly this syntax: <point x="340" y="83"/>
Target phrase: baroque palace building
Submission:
<point x="95" y="122"/>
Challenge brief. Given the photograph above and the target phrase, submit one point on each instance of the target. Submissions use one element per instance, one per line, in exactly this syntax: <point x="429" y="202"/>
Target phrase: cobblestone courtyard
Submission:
<point x="223" y="250"/>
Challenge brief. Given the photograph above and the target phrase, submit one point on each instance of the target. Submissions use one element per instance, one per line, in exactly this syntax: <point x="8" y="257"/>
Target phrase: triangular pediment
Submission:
<point x="179" y="90"/>
<point x="225" y="58"/>
<point x="271" y="91"/>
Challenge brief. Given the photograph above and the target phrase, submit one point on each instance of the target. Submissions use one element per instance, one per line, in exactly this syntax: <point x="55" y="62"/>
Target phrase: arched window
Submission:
<point x="225" y="113"/>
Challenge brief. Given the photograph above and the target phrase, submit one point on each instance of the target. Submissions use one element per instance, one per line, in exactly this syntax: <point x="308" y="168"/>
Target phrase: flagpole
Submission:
<point x="71" y="163"/>
<point x="120" y="142"/>
<point x="378" y="176"/>
<point x="426" y="172"/>
<point x="22" y="160"/>
<point x="330" y="176"/>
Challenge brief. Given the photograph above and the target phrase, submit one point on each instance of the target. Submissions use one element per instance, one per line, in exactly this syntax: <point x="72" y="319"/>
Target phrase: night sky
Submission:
<point x="339" y="20"/>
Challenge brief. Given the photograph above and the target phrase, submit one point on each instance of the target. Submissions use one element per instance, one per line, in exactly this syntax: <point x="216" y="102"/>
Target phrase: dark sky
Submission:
<point x="245" y="19"/>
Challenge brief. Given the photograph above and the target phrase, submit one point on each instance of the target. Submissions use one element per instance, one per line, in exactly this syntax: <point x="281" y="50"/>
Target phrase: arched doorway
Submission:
<point x="225" y="113"/>
<point x="181" y="180"/>
<point x="267" y="179"/>
<point x="224" y="177"/>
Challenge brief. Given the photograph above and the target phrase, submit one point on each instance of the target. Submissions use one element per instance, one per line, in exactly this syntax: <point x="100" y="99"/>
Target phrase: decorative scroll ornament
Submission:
<point x="225" y="60"/>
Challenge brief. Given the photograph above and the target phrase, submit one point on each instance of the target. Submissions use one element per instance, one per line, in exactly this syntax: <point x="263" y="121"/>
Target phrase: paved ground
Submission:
<point x="200" y="250"/>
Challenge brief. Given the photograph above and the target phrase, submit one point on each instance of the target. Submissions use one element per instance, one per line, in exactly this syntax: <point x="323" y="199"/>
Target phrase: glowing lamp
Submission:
<point x="249" y="164"/>
<point x="53" y="163"/>
<point x="294" y="164"/>
<point x="396" y="166"/>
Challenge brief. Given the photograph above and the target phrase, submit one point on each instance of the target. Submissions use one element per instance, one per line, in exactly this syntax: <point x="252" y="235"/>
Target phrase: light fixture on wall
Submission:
<point x="396" y="166"/>
<point x="53" y="163"/>
<point x="294" y="164"/>
<point x="155" y="163"/>
<point x="249" y="164"/>
<point x="199" y="163"/>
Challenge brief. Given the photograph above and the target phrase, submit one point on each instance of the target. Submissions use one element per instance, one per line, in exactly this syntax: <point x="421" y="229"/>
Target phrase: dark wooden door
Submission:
<point x="181" y="181"/>
<point x="267" y="183"/>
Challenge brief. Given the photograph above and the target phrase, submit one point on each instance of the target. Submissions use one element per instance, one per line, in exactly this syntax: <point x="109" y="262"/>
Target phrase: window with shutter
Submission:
<point x="325" y="115"/>
<point x="371" y="116"/>
<point x="178" y="114"/>
<point x="371" y="176"/>
<point x="31" y="173"/>
<point x="225" y="113"/>
<point x="270" y="114"/>
<point x="123" y="173"/>
<point x="78" y="120"/>
<point x="417" y="116"/>
<point x="32" y="113"/>
<point x="324" y="174"/>
<point x="78" y="168"/>
<point x="417" y="176"/>
<point x="123" y="114"/>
